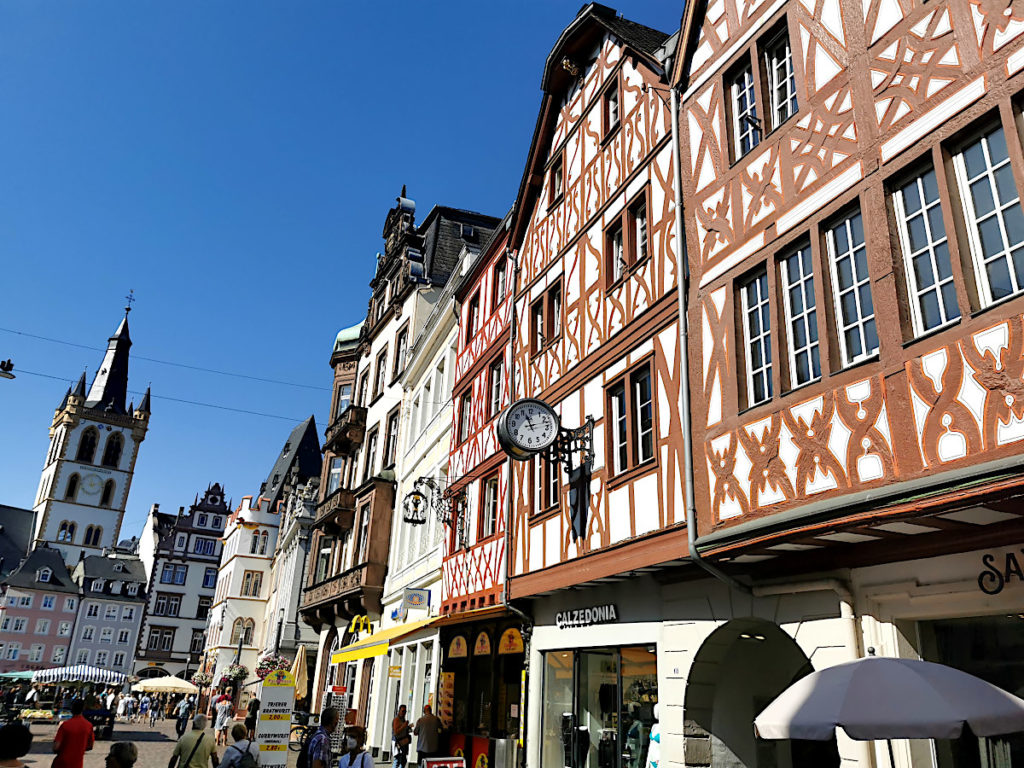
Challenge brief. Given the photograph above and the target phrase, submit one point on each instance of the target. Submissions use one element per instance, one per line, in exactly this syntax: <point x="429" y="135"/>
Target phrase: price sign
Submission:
<point x="277" y="700"/>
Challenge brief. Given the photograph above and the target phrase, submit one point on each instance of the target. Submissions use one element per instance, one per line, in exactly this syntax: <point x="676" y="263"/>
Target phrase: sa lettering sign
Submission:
<point x="998" y="571"/>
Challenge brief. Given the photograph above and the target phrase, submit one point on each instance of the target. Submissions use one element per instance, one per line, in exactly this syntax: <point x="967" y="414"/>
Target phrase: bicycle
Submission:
<point x="299" y="736"/>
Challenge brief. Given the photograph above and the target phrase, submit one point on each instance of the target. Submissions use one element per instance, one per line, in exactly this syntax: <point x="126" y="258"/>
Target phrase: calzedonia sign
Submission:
<point x="585" y="617"/>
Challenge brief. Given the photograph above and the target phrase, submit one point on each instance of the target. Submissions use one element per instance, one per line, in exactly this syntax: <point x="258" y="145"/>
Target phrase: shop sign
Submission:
<point x="482" y="646"/>
<point x="416" y="598"/>
<point x="447" y="693"/>
<point x="277" y="700"/>
<point x="457" y="648"/>
<point x="444" y="762"/>
<point x="511" y="642"/>
<point x="996" y="574"/>
<point x="395" y="671"/>
<point x="338" y="690"/>
<point x="586" y="617"/>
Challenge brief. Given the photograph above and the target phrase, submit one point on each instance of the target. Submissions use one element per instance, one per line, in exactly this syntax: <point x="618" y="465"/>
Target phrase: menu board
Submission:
<point x="277" y="700"/>
<point x="446" y="710"/>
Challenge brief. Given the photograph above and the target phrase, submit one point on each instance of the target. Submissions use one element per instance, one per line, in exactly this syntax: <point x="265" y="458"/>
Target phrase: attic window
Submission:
<point x="133" y="589"/>
<point x="610" y="108"/>
<point x="555" y="182"/>
<point x="44" y="575"/>
<point x="118" y="567"/>
<point x="97" y="585"/>
<point x="466" y="230"/>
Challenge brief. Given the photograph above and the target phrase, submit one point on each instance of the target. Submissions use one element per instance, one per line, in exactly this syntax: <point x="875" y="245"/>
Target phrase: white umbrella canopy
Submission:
<point x="888" y="698"/>
<point x="166" y="684"/>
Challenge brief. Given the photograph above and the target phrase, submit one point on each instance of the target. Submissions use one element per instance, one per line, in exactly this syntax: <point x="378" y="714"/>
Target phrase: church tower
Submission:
<point x="94" y="441"/>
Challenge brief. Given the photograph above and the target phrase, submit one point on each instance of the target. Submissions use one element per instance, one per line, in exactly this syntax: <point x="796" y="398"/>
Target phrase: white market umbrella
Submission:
<point x="78" y="673"/>
<point x="166" y="684"/>
<point x="888" y="698"/>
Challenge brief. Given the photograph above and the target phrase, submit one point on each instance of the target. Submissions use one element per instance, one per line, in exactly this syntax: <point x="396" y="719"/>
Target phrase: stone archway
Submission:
<point x="740" y="668"/>
<point x="152" y="672"/>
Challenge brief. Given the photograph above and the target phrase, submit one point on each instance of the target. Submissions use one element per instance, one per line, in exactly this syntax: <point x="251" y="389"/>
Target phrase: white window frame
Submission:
<point x="807" y="317"/>
<point x="49" y="602"/>
<point x="123" y="637"/>
<point x="763" y="338"/>
<point x="843" y="323"/>
<point x="489" y="523"/>
<point x="916" y="317"/>
<point x="773" y="62"/>
<point x="82" y="657"/>
<point x="620" y="426"/>
<point x="1000" y="207"/>
<point x="35" y="653"/>
<point x="742" y="83"/>
<point x="42" y="626"/>
<point x="64" y="629"/>
<point x="57" y="657"/>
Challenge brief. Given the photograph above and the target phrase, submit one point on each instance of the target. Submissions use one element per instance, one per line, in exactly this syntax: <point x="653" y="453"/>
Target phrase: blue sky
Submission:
<point x="232" y="162"/>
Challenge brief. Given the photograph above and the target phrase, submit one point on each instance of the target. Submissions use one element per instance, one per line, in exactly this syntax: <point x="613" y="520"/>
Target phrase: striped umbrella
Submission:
<point x="79" y="673"/>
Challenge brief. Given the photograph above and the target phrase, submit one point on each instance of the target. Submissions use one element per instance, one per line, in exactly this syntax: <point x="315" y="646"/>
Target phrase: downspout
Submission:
<point x="526" y="620"/>
<point x="682" y="283"/>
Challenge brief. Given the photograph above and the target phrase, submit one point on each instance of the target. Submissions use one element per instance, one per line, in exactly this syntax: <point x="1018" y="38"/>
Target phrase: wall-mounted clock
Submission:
<point x="527" y="427"/>
<point x="91" y="484"/>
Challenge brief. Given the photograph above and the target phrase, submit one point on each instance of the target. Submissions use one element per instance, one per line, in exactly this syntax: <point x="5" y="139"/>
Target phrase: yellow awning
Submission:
<point x="378" y="643"/>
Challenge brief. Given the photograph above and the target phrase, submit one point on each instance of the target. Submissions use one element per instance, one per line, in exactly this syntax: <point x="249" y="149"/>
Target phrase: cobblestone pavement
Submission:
<point x="155" y="745"/>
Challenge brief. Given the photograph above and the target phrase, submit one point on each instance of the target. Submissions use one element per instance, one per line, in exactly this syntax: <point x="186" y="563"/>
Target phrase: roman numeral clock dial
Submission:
<point x="527" y="427"/>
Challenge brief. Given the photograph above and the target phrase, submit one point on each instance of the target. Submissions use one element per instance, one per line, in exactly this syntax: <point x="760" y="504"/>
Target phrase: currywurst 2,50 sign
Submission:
<point x="585" y="617"/>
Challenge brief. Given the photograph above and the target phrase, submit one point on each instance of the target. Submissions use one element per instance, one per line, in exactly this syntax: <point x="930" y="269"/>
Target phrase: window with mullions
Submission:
<point x="851" y="289"/>
<point x="631" y="412"/>
<point x="995" y="222"/>
<point x="801" y="316"/>
<point x="546" y="479"/>
<point x="746" y="130"/>
<point x="757" y="333"/>
<point x="926" y="256"/>
<point x="778" y="64"/>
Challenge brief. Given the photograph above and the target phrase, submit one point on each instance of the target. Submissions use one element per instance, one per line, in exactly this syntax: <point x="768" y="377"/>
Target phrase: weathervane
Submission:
<point x="131" y="300"/>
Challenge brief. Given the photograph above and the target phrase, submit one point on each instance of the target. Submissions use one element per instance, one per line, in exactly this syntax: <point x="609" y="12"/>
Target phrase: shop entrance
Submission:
<point x="989" y="647"/>
<point x="599" y="707"/>
<point x="739" y="670"/>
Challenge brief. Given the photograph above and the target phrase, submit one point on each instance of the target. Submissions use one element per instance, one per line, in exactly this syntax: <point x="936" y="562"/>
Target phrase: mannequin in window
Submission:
<point x="654" y="748"/>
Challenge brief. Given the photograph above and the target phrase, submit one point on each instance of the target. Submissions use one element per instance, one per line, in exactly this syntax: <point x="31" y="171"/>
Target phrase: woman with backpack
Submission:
<point x="354" y="755"/>
<point x="244" y="753"/>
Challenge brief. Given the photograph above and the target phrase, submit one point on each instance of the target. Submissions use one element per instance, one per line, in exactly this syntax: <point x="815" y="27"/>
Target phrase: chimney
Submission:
<point x="154" y="509"/>
<point x="181" y="511"/>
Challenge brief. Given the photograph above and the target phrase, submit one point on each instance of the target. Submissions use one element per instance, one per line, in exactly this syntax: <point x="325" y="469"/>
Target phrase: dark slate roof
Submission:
<point x="99" y="567"/>
<point x="444" y="236"/>
<point x="302" y="452"/>
<point x="24" y="576"/>
<point x="15" y="535"/>
<point x="645" y="39"/>
<point x="496" y="234"/>
<point x="110" y="386"/>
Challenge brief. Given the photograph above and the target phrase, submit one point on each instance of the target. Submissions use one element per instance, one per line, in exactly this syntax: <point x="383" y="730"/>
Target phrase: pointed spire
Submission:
<point x="80" y="387"/>
<point x="144" y="405"/>
<point x="64" y="402"/>
<point x="110" y="385"/>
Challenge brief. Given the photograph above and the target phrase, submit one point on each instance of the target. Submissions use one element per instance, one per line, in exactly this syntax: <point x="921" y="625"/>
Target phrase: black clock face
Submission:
<point x="532" y="425"/>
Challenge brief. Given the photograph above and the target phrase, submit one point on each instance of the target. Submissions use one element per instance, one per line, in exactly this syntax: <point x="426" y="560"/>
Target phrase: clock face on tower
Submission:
<point x="91" y="484"/>
<point x="527" y="427"/>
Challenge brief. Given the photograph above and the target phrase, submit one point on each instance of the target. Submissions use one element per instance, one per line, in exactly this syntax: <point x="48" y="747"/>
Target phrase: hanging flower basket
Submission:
<point x="236" y="673"/>
<point x="271" y="663"/>
<point x="201" y="679"/>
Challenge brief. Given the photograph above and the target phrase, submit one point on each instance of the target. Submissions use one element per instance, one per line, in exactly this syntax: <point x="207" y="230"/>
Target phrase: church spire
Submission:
<point x="110" y="386"/>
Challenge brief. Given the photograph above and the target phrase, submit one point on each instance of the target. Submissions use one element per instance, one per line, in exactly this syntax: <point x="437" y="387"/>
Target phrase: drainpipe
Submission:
<point x="682" y="282"/>
<point x="526" y="620"/>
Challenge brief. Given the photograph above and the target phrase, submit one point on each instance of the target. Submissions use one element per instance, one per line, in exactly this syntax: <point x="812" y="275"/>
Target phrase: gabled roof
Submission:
<point x="99" y="567"/>
<point x="24" y="576"/>
<point x="593" y="19"/>
<point x="689" y="30"/>
<point x="301" y="452"/>
<point x="15" y="535"/>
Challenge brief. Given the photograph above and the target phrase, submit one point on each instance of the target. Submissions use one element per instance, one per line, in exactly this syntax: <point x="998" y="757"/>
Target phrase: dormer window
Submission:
<point x="133" y="589"/>
<point x="217" y="523"/>
<point x="203" y="520"/>
<point x="119" y="567"/>
<point x="115" y="587"/>
<point x="44" y="575"/>
<point x="180" y="543"/>
<point x="97" y="585"/>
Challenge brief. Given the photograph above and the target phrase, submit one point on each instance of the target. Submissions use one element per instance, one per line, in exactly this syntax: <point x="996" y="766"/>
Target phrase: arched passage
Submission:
<point x="739" y="670"/>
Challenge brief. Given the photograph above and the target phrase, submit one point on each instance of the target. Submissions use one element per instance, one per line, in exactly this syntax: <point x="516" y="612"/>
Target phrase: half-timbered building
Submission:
<point x="852" y="174"/>
<point x="597" y="338"/>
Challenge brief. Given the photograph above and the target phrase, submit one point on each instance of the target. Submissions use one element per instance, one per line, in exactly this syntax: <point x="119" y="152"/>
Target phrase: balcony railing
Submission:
<point x="346" y="431"/>
<point x="339" y="587"/>
<point x="336" y="512"/>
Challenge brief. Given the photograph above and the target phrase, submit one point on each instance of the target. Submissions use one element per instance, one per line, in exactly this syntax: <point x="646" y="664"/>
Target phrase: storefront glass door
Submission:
<point x="598" y="707"/>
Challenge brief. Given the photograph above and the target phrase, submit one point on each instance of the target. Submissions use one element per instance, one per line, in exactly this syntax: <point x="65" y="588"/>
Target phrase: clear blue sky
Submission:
<point x="232" y="162"/>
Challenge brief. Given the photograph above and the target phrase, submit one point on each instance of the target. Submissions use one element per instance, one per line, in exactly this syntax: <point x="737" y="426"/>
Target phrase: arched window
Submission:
<point x="108" y="494"/>
<point x="112" y="450"/>
<point x="66" y="531"/>
<point x="87" y="445"/>
<point x="236" y="631"/>
<point x="255" y="542"/>
<point x="92" y="536"/>
<point x="250" y="627"/>
<point x="72" y="490"/>
<point x="263" y="543"/>
<point x="44" y="575"/>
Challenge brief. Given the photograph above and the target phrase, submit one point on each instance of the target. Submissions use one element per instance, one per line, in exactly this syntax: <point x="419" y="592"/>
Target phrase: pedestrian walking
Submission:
<point x="355" y="756"/>
<point x="224" y="710"/>
<point x="15" y="742"/>
<point x="244" y="753"/>
<point x="252" y="715"/>
<point x="195" y="749"/>
<point x="402" y="737"/>
<point x="182" y="712"/>
<point x="144" y="707"/>
<point x="122" y="754"/>
<point x="154" y="710"/>
<point x="427" y="731"/>
<point x="318" y="751"/>
<point x="74" y="738"/>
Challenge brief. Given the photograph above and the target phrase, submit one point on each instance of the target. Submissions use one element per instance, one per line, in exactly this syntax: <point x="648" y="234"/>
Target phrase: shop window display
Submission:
<point x="599" y="707"/>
